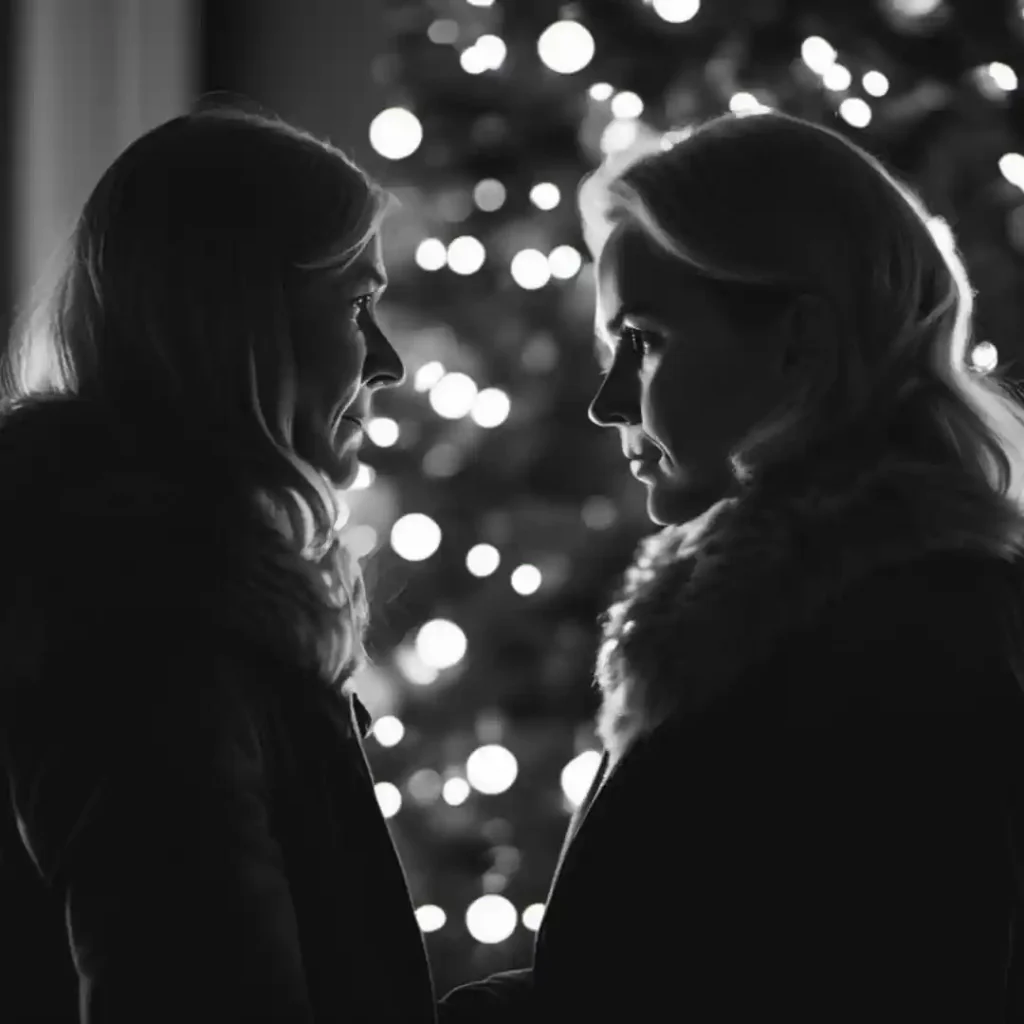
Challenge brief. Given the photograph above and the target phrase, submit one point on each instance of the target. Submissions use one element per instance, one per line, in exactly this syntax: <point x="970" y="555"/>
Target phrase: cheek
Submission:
<point x="706" y="401"/>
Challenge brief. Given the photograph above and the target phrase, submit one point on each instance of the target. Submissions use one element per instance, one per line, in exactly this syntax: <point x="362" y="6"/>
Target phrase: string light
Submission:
<point x="530" y="269"/>
<point x="566" y="47"/>
<point x="453" y="396"/>
<point x="431" y="254"/>
<point x="443" y="31"/>
<point x="396" y="133"/>
<point x="428" y="375"/>
<point x="473" y="61"/>
<point x="440" y="644"/>
<point x="455" y="791"/>
<point x="619" y="135"/>
<point x="875" y="83"/>
<point x="601" y="91"/>
<point x="818" y="54"/>
<point x="489" y="195"/>
<point x="430" y="918"/>
<point x="578" y="775"/>
<point x="492" y="50"/>
<point x="415" y="537"/>
<point x="491" y="769"/>
<point x="388" y="731"/>
<point x="545" y="196"/>
<point x="627" y="104"/>
<point x="389" y="798"/>
<point x="466" y="255"/>
<point x="491" y="408"/>
<point x="745" y="103"/>
<point x="526" y="580"/>
<point x="676" y="12"/>
<point x="491" y="919"/>
<point x="483" y="559"/>
<point x="837" y="78"/>
<point x="855" y="112"/>
<point x="984" y="357"/>
<point x="565" y="262"/>
<point x="532" y="916"/>
<point x="1011" y="166"/>
<point x="382" y="431"/>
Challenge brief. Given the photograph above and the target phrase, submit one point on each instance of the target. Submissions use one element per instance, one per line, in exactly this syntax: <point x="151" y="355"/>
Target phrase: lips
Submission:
<point x="645" y="455"/>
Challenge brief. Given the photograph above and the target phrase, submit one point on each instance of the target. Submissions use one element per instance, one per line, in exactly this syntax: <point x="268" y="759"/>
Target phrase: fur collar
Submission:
<point x="706" y="600"/>
<point x="155" y="546"/>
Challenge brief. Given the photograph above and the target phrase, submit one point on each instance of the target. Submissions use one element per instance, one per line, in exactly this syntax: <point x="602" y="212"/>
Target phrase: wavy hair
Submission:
<point x="767" y="209"/>
<point x="171" y="308"/>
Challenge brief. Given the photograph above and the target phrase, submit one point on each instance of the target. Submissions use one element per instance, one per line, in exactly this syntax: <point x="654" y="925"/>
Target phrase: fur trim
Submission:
<point x="704" y="601"/>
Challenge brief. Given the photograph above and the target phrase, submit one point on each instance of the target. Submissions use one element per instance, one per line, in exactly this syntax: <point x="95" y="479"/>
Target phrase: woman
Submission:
<point x="179" y="619"/>
<point x="811" y="802"/>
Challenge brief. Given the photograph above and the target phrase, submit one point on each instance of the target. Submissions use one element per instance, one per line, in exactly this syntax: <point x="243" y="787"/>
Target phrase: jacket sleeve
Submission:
<point x="503" y="998"/>
<point x="156" y="826"/>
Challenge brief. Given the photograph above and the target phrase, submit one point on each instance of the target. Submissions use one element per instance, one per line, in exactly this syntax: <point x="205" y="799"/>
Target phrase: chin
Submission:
<point x="669" y="506"/>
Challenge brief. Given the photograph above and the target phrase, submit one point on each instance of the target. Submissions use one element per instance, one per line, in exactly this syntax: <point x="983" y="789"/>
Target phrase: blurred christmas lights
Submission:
<point x="388" y="731"/>
<point x="530" y="269"/>
<point x="389" y="798"/>
<point x="430" y="918"/>
<point x="440" y="644"/>
<point x="577" y="776"/>
<point x="396" y="133"/>
<point x="566" y="47"/>
<point x="545" y="196"/>
<point x="491" y="919"/>
<point x="676" y="12"/>
<point x="415" y="537"/>
<point x="491" y="769"/>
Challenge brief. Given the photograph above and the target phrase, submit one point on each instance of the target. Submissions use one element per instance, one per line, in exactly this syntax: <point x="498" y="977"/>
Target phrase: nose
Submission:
<point x="611" y="406"/>
<point x="383" y="367"/>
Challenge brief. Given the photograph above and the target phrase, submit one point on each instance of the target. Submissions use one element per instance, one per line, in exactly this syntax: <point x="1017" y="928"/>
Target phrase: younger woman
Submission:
<point x="811" y="802"/>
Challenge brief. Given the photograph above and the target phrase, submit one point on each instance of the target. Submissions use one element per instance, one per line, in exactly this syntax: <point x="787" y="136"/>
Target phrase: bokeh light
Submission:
<point x="491" y="919"/>
<point x="440" y="644"/>
<point x="396" y="133"/>
<point x="389" y="799"/>
<point x="491" y="769"/>
<point x="676" y="12"/>
<point x="530" y="269"/>
<point x="415" y="537"/>
<point x="566" y="47"/>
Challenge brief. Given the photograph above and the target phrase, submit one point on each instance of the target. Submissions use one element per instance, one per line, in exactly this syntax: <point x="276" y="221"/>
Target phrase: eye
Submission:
<point x="641" y="342"/>
<point x="362" y="304"/>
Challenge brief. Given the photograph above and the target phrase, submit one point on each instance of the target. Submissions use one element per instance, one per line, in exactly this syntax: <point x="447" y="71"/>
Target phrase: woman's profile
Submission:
<point x="811" y="801"/>
<point x="179" y="619"/>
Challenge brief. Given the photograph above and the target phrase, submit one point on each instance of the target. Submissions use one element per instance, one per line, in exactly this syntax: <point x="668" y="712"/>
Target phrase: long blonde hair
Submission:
<point x="769" y="207"/>
<point x="171" y="311"/>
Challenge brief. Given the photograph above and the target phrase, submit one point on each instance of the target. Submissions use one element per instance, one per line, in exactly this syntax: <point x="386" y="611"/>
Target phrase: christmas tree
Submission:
<point x="493" y="516"/>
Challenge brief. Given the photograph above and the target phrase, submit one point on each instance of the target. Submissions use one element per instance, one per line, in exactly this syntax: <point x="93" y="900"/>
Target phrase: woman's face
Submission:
<point x="683" y="387"/>
<point x="342" y="357"/>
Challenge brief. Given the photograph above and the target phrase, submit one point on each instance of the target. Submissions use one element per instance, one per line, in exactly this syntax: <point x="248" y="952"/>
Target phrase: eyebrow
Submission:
<point x="614" y="326"/>
<point x="373" y="279"/>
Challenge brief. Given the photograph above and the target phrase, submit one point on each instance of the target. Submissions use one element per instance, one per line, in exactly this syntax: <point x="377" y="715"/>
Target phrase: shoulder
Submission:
<point x="949" y="618"/>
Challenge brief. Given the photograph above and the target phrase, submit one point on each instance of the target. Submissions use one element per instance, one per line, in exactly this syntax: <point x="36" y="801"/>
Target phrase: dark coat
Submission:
<point x="199" y="834"/>
<point x="837" y="835"/>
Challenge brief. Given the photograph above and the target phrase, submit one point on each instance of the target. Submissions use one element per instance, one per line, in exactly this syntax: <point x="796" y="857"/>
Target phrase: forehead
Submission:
<point x="633" y="269"/>
<point x="369" y="264"/>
